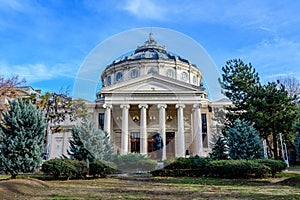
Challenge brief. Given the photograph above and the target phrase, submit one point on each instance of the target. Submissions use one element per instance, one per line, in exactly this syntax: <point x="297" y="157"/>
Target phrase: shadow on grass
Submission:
<point x="292" y="180"/>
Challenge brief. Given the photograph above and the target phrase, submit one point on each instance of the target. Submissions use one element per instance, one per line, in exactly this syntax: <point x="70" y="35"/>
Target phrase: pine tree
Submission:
<point x="219" y="148"/>
<point x="243" y="141"/>
<point x="239" y="83"/>
<point x="90" y="143"/>
<point x="22" y="131"/>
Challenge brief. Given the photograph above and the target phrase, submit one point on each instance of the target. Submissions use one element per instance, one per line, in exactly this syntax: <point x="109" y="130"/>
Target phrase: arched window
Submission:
<point x="134" y="73"/>
<point x="170" y="73"/>
<point x="108" y="81"/>
<point x="119" y="76"/>
<point x="184" y="76"/>
<point x="194" y="79"/>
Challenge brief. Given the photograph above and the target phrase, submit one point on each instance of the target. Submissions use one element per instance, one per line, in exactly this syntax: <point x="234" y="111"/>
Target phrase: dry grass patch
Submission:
<point x="152" y="188"/>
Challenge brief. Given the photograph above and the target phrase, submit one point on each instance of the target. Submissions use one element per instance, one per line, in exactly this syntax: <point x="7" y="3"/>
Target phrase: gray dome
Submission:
<point x="149" y="51"/>
<point x="151" y="58"/>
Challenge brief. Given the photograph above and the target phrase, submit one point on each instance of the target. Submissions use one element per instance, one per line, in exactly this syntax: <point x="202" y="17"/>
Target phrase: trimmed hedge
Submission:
<point x="237" y="169"/>
<point x="274" y="165"/>
<point x="200" y="166"/>
<point x="179" y="163"/>
<point x="101" y="168"/>
<point x="65" y="168"/>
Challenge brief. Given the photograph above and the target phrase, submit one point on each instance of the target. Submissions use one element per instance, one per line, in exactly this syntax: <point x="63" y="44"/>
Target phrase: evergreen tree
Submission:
<point x="90" y="143"/>
<point x="219" y="148"/>
<point x="239" y="83"/>
<point x="243" y="141"/>
<point x="296" y="142"/>
<point x="22" y="130"/>
<point x="269" y="107"/>
<point x="273" y="111"/>
<point x="77" y="149"/>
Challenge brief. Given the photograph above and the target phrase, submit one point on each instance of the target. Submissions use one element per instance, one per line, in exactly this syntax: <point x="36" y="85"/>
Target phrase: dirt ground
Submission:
<point x="148" y="188"/>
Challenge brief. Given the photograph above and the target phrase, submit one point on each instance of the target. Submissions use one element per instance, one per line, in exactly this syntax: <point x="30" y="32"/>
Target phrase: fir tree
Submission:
<point x="243" y="141"/>
<point x="22" y="131"/>
<point x="219" y="148"/>
<point x="90" y="143"/>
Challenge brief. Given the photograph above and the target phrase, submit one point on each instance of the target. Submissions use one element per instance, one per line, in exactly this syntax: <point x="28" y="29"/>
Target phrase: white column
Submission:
<point x="198" y="130"/>
<point x="162" y="127"/>
<point x="208" y="135"/>
<point x="180" y="143"/>
<point x="107" y="117"/>
<point x="124" y="137"/>
<point x="143" y="128"/>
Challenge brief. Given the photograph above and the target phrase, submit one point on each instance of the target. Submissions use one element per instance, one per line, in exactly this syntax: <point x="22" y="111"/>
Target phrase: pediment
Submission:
<point x="151" y="83"/>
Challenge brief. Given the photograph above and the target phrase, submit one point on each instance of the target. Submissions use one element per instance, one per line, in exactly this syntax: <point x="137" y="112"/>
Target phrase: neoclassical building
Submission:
<point x="147" y="93"/>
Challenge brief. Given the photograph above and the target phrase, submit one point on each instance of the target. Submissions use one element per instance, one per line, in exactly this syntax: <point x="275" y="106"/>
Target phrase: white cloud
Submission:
<point x="36" y="72"/>
<point x="11" y="4"/>
<point x="278" y="57"/>
<point x="145" y="9"/>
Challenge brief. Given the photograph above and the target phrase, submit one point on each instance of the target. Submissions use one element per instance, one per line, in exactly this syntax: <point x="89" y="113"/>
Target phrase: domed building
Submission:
<point x="153" y="93"/>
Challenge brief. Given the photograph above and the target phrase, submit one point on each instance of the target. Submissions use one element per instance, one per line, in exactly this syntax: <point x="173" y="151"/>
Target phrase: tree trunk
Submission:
<point x="275" y="146"/>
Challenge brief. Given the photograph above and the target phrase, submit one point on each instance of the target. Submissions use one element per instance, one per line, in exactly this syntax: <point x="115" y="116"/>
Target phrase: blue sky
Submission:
<point x="46" y="41"/>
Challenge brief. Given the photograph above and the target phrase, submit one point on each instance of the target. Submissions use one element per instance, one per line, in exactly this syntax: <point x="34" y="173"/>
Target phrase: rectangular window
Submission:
<point x="204" y="123"/>
<point x="135" y="142"/>
<point x="101" y="121"/>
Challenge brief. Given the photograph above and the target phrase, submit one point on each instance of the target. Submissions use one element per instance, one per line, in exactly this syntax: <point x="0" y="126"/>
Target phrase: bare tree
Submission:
<point x="292" y="85"/>
<point x="9" y="89"/>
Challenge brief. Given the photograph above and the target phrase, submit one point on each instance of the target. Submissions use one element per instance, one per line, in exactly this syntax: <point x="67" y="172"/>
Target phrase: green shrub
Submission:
<point x="237" y="169"/>
<point x="65" y="168"/>
<point x="147" y="165"/>
<point x="81" y="168"/>
<point x="274" y="165"/>
<point x="59" y="167"/>
<point x="131" y="162"/>
<point x="179" y="163"/>
<point x="178" y="172"/>
<point x="102" y="168"/>
<point x="200" y="165"/>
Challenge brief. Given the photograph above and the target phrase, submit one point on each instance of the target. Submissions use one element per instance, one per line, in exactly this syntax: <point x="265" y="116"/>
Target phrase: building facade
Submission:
<point x="147" y="94"/>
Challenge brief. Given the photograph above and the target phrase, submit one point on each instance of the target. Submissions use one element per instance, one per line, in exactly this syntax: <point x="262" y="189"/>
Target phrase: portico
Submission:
<point x="139" y="122"/>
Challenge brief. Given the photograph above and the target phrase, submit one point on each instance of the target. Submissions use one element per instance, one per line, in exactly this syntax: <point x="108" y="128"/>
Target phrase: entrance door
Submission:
<point x="150" y="142"/>
<point x="170" y="144"/>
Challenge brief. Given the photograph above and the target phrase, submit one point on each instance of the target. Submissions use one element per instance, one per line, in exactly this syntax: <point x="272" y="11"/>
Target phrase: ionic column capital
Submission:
<point x="125" y="106"/>
<point x="109" y="106"/>
<point x="143" y="106"/>
<point x="197" y="105"/>
<point x="164" y="106"/>
<point x="180" y="105"/>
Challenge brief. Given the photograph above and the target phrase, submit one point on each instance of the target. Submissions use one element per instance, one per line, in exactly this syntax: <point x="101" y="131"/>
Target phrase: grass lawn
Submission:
<point x="285" y="186"/>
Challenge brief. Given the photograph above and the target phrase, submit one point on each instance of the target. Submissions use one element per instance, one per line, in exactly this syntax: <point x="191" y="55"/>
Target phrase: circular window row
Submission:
<point x="135" y="73"/>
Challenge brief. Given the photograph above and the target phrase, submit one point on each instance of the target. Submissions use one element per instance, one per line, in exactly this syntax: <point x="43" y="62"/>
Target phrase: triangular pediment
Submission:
<point x="152" y="83"/>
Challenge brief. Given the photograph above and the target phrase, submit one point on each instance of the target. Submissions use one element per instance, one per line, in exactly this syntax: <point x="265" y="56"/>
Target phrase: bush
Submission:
<point x="101" y="168"/>
<point x="147" y="165"/>
<point x="237" y="169"/>
<point x="179" y="163"/>
<point x="132" y="162"/>
<point x="199" y="166"/>
<point x="81" y="168"/>
<point x="274" y="165"/>
<point x="65" y="168"/>
<point x="178" y="172"/>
